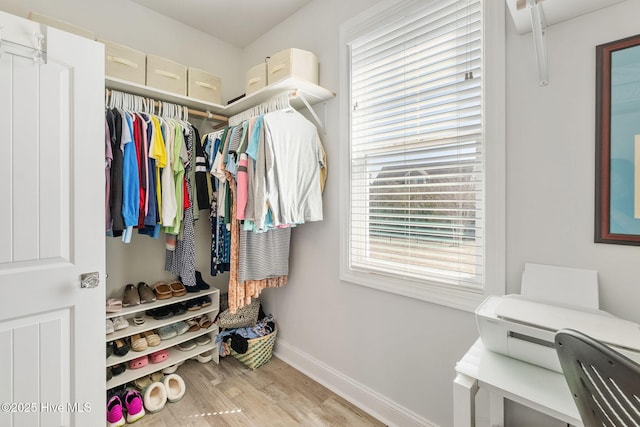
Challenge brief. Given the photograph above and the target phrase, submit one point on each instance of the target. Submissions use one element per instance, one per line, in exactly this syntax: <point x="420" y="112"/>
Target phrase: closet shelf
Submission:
<point x="175" y="356"/>
<point x="312" y="92"/>
<point x="125" y="312"/>
<point x="151" y="323"/>
<point x="114" y="360"/>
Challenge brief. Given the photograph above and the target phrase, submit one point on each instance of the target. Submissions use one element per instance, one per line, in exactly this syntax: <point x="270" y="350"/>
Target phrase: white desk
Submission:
<point x="504" y="377"/>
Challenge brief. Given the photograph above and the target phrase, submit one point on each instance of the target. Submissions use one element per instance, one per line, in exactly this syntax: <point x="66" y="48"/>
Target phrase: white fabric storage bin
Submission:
<point x="256" y="78"/>
<point x="61" y="25"/>
<point x="292" y="62"/>
<point x="166" y="75"/>
<point x="122" y="62"/>
<point x="204" y="86"/>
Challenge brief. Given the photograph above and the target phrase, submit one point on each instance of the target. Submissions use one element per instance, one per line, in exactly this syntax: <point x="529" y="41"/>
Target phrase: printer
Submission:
<point x="553" y="298"/>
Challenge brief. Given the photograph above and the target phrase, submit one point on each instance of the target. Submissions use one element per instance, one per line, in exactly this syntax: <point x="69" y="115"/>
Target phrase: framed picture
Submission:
<point x="617" y="210"/>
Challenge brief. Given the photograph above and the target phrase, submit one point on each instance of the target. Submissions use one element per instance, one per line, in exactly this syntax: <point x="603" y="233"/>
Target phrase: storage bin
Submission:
<point x="166" y="75"/>
<point x="256" y="78"/>
<point x="61" y="25"/>
<point x="204" y="86"/>
<point x="124" y="63"/>
<point x="259" y="351"/>
<point x="292" y="63"/>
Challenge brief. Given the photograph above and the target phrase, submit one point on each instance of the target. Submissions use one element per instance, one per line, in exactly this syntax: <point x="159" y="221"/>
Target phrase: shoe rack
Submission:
<point x="175" y="355"/>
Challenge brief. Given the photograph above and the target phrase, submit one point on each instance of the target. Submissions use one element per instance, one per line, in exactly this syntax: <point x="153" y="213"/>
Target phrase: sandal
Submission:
<point x="205" y="357"/>
<point x="205" y="301"/>
<point x="131" y="296"/>
<point x="177" y="289"/>
<point x="204" y="321"/>
<point x="152" y="338"/>
<point x="138" y="319"/>
<point x="193" y="325"/>
<point x="181" y="327"/>
<point x="145" y="292"/>
<point x="114" y="305"/>
<point x="162" y="290"/>
<point x="167" y="332"/>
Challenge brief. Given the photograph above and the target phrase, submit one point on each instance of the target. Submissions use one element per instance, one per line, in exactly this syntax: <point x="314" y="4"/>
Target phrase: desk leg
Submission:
<point x="496" y="410"/>
<point x="464" y="401"/>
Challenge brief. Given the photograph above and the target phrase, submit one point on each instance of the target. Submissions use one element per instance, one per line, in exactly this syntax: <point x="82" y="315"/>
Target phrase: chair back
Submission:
<point x="605" y="384"/>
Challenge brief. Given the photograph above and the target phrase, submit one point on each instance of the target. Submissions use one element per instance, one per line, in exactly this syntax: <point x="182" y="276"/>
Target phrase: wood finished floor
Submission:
<point x="275" y="394"/>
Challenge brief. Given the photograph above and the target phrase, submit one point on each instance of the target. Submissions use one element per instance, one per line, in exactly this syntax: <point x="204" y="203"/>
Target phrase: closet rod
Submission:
<point x="205" y="114"/>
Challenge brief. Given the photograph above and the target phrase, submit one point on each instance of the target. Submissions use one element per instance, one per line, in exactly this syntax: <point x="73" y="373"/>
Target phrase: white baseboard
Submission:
<point x="370" y="401"/>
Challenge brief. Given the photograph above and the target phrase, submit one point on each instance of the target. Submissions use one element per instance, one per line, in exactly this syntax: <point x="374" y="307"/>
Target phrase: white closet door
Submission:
<point x="51" y="228"/>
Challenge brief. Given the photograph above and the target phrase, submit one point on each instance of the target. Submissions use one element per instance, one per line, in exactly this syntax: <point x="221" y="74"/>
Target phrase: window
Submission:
<point x="416" y="200"/>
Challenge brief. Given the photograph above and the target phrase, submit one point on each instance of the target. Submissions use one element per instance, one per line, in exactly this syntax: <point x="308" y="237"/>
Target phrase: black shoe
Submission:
<point x="201" y="284"/>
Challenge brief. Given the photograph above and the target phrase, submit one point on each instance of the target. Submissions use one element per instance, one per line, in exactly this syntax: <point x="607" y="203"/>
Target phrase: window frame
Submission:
<point x="494" y="113"/>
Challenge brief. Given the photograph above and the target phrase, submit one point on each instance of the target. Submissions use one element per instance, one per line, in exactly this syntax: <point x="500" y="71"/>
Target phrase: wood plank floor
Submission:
<point x="275" y="394"/>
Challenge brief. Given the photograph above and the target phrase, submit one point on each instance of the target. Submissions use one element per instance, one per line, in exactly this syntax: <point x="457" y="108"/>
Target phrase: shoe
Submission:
<point x="203" y="339"/>
<point x="110" y="327"/>
<point x="174" y="386"/>
<point x="120" y="347"/>
<point x="181" y="327"/>
<point x="152" y="338"/>
<point x="139" y="362"/>
<point x="109" y="373"/>
<point x="155" y="397"/>
<point x="187" y="345"/>
<point x="205" y="357"/>
<point x="109" y="349"/>
<point x="200" y="283"/>
<point x="131" y="296"/>
<point x="114" y="412"/>
<point x="138" y="343"/>
<point x="146" y="293"/>
<point x="120" y="323"/>
<point x="178" y="309"/>
<point x="142" y="383"/>
<point x="138" y="319"/>
<point x="159" y="356"/>
<point x="167" y="332"/>
<point x="161" y="313"/>
<point x="193" y="325"/>
<point x="177" y="289"/>
<point x="204" y="321"/>
<point x="114" y="305"/>
<point x="205" y="301"/>
<point x="194" y="304"/>
<point x="162" y="290"/>
<point x="133" y="404"/>
<point x="118" y="369"/>
<point x="171" y="369"/>
<point x="192" y="289"/>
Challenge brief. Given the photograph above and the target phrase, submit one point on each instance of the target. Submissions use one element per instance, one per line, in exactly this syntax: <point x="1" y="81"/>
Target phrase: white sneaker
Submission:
<point x="110" y="327"/>
<point x="120" y="323"/>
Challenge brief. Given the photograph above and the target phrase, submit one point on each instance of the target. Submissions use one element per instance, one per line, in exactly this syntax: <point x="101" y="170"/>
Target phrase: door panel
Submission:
<point x="52" y="225"/>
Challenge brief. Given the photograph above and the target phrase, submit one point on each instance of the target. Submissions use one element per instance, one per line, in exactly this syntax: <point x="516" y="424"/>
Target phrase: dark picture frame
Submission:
<point x="617" y="209"/>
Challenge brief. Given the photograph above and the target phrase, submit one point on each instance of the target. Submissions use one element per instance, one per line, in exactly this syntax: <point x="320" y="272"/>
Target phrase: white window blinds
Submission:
<point x="416" y="145"/>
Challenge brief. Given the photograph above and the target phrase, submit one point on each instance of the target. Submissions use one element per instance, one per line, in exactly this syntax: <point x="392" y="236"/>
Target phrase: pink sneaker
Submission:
<point x="133" y="403"/>
<point x="114" y="412"/>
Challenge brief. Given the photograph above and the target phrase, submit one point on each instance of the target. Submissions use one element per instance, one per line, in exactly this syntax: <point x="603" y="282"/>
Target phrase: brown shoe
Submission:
<point x="162" y="290"/>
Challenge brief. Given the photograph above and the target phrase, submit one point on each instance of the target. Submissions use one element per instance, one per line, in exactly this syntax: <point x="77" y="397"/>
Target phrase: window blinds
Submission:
<point x="417" y="167"/>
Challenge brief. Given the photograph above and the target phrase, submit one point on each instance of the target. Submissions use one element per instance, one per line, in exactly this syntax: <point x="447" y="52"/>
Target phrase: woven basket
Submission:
<point x="259" y="351"/>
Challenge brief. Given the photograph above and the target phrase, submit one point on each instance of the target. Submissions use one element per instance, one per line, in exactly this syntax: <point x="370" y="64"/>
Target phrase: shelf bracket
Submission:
<point x="300" y="94"/>
<point x="539" y="31"/>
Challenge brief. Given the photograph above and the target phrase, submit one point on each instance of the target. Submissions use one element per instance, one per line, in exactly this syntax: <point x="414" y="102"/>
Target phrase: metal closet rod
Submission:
<point x="192" y="112"/>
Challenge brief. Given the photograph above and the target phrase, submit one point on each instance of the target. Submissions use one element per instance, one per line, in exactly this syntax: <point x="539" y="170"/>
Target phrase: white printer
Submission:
<point x="524" y="326"/>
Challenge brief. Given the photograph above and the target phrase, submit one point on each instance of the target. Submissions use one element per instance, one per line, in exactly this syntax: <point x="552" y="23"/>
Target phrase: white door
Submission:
<point x="52" y="331"/>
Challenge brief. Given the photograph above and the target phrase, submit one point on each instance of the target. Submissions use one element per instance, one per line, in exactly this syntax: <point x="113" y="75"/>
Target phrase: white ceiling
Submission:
<point x="238" y="22"/>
